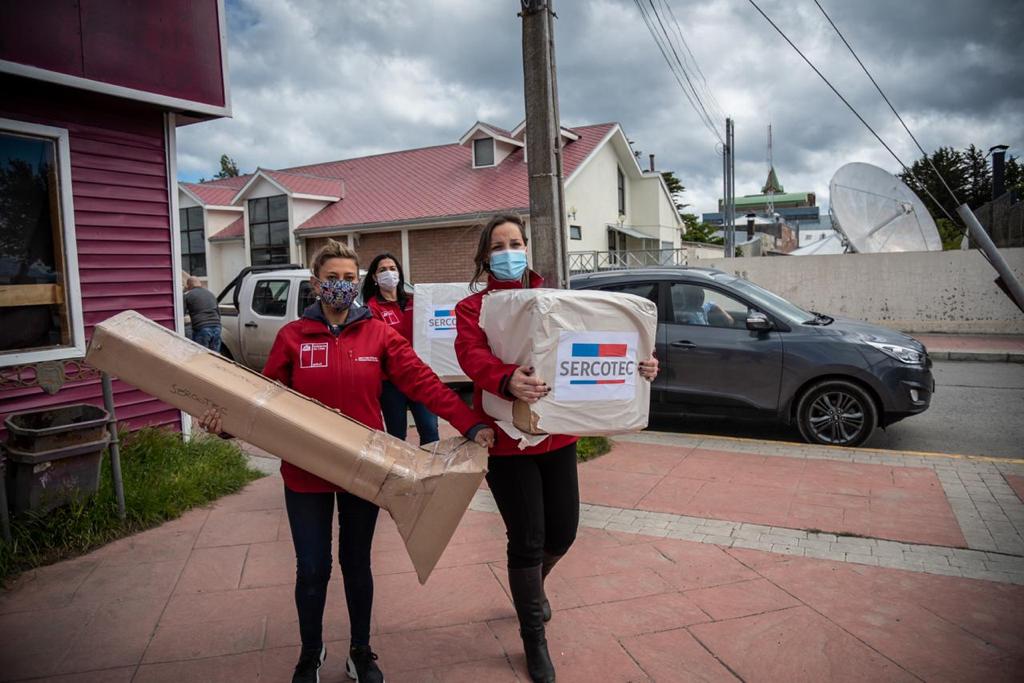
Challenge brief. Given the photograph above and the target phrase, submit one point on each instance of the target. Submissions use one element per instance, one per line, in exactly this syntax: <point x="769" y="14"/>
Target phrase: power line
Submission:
<point x="692" y="98"/>
<point x="879" y="89"/>
<point x="850" y="107"/>
<point x="707" y="89"/>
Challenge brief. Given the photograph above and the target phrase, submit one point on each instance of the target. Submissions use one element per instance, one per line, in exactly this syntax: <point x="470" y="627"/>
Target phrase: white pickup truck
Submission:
<point x="255" y="305"/>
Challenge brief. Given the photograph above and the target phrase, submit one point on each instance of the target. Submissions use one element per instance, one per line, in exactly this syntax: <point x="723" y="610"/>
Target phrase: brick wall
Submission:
<point x="369" y="245"/>
<point x="442" y="254"/>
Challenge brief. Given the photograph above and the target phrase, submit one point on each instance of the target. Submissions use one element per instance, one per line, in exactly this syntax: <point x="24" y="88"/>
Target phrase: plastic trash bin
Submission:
<point x="35" y="431"/>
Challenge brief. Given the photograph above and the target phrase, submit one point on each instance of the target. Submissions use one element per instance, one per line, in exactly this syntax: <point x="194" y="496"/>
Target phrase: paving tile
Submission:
<point x="795" y="644"/>
<point x="473" y="553"/>
<point x="612" y="560"/>
<point x="639" y="458"/>
<point x="230" y="527"/>
<point x="283" y="622"/>
<point x="263" y="494"/>
<point x="741" y="599"/>
<point x="617" y="586"/>
<point x="49" y="587"/>
<point x="579" y="654"/>
<point x="228" y="636"/>
<point x="672" y="494"/>
<point x="437" y="647"/>
<point x="117" y="675"/>
<point x="171" y="541"/>
<point x="212" y="569"/>
<point x="1016" y="482"/>
<point x="34" y="643"/>
<point x="675" y="656"/>
<point x="401" y="604"/>
<point x="110" y="583"/>
<point x="269" y="564"/>
<point x="710" y="465"/>
<point x="618" y="489"/>
<point x="196" y="608"/>
<point x="277" y="663"/>
<point x="647" y="614"/>
<point x="222" y="669"/>
<point x="117" y="635"/>
<point x="694" y="565"/>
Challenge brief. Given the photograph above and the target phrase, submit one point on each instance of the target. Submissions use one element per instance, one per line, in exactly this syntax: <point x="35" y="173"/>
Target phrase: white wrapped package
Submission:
<point x="586" y="345"/>
<point x="433" y="335"/>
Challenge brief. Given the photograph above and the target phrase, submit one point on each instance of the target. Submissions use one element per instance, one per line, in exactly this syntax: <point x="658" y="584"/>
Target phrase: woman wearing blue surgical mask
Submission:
<point x="384" y="294"/>
<point x="536" y="488"/>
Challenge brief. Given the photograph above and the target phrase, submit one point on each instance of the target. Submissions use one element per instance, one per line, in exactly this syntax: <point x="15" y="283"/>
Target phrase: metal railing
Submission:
<point x="596" y="261"/>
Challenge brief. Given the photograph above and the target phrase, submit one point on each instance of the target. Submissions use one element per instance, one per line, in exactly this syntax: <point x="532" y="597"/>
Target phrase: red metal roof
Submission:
<point x="235" y="230"/>
<point x="433" y="182"/>
<point x="307" y="183"/>
<point x="217" y="192"/>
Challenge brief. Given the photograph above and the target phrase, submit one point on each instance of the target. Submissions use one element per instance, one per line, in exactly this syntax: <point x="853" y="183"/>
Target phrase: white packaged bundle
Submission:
<point x="586" y="345"/>
<point x="434" y="327"/>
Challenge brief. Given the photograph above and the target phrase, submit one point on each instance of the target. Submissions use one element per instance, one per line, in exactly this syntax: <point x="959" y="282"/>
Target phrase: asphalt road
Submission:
<point x="978" y="409"/>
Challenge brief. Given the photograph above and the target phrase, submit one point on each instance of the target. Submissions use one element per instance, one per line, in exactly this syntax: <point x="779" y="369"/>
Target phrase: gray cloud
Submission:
<point x="318" y="80"/>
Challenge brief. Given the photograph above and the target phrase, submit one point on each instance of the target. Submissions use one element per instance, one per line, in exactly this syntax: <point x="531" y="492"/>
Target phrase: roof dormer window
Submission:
<point x="483" y="152"/>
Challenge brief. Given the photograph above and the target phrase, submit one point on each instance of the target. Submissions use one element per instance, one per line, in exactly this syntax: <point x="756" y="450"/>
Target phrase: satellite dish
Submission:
<point x="876" y="212"/>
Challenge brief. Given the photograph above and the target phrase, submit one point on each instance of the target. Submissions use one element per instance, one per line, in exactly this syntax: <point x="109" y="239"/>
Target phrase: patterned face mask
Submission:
<point x="338" y="294"/>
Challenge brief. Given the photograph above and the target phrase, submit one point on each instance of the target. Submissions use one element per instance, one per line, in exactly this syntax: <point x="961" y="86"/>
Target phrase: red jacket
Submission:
<point x="393" y="314"/>
<point x="345" y="372"/>
<point x="488" y="372"/>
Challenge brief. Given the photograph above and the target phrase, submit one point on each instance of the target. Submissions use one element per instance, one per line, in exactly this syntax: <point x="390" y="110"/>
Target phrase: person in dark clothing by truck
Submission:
<point x="201" y="306"/>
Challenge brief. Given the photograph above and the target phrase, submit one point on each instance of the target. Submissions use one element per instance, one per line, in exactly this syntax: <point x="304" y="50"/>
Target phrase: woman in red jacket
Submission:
<point x="338" y="354"/>
<point x="536" y="489"/>
<point x="384" y="294"/>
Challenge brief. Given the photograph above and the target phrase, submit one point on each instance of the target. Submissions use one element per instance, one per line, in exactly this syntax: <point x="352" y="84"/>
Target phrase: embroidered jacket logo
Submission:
<point x="313" y="355"/>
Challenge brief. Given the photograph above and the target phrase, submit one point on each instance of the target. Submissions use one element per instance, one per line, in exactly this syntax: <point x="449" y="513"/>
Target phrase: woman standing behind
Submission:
<point x="536" y="489"/>
<point x="384" y="294"/>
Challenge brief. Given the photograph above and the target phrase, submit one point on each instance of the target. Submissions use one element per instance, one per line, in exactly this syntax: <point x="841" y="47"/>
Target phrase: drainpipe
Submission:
<point x="998" y="170"/>
<point x="652" y="162"/>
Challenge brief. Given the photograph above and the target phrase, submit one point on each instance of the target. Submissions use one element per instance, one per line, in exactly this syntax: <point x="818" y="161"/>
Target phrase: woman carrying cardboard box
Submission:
<point x="536" y="488"/>
<point x="338" y="354"/>
<point x="384" y="294"/>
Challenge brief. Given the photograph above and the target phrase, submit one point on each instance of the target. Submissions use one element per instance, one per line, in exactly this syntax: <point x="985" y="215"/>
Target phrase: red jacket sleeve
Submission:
<point x="417" y="381"/>
<point x="474" y="352"/>
<point x="279" y="362"/>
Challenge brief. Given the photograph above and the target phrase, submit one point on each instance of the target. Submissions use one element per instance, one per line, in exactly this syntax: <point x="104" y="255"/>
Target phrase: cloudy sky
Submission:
<point x="319" y="80"/>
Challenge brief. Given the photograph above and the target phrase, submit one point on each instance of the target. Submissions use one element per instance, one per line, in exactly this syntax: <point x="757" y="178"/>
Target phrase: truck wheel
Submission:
<point x="837" y="413"/>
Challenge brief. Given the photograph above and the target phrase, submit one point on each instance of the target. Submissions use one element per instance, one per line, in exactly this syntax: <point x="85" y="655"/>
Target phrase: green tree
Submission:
<point x="676" y="189"/>
<point x="978" y="177"/>
<point x="228" y="168"/>
<point x="698" y="231"/>
<point x="923" y="180"/>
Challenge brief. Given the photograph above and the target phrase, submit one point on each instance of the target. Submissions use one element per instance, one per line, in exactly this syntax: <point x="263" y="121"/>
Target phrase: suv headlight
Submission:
<point x="900" y="353"/>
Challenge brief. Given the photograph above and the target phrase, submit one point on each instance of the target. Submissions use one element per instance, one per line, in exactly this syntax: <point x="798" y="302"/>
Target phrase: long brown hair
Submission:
<point x="483" y="249"/>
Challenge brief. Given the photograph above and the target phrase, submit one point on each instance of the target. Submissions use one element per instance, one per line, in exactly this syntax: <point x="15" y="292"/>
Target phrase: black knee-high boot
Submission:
<point x="527" y="586"/>
<point x="549" y="563"/>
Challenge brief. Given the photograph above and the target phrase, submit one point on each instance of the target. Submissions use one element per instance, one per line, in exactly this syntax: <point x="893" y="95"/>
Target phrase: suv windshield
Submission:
<point x="773" y="302"/>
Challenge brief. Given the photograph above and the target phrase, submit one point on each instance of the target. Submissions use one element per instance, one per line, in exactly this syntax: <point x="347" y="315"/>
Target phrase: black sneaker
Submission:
<point x="308" y="668"/>
<point x="362" y="665"/>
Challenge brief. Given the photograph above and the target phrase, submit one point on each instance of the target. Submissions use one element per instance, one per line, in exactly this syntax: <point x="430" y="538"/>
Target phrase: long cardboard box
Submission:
<point x="586" y="345"/>
<point x="426" y="491"/>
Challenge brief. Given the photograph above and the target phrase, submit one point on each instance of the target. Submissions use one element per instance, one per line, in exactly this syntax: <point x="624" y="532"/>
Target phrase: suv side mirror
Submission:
<point x="758" y="322"/>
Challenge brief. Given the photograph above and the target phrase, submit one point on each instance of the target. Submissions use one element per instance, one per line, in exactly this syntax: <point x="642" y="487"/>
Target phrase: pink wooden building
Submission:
<point x="93" y="91"/>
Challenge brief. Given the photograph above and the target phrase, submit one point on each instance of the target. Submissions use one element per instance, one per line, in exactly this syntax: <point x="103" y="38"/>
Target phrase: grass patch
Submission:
<point x="163" y="477"/>
<point x="590" y="447"/>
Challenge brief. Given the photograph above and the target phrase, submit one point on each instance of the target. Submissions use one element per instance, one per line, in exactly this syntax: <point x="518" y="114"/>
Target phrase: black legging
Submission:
<point x="310" y="517"/>
<point x="539" y="500"/>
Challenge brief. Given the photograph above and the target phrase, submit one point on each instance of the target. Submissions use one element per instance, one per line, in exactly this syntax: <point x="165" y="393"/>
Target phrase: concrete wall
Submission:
<point x="948" y="291"/>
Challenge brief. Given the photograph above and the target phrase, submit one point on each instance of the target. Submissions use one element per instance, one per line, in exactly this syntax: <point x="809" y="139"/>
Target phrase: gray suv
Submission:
<point x="729" y="348"/>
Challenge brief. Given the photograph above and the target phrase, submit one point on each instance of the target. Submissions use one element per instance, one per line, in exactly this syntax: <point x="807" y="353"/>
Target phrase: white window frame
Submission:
<point x="494" y="153"/>
<point x="72" y="285"/>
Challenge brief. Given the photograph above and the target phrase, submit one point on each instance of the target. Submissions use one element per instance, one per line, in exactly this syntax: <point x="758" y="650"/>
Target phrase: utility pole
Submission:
<point x="728" y="192"/>
<point x="544" y="143"/>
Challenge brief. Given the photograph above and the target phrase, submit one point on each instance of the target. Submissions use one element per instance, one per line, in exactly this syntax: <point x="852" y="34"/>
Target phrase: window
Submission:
<point x="647" y="290"/>
<point x="622" y="191"/>
<point x="268" y="230"/>
<point x="40" y="302"/>
<point x="193" y="241"/>
<point x="483" y="152"/>
<point x="696" y="305"/>
<point x="270" y="298"/>
<point x="306" y="297"/>
<point x="575" y="232"/>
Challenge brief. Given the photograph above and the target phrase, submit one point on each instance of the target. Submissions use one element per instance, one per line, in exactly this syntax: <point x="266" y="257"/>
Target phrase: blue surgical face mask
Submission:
<point x="509" y="264"/>
<point x="338" y="294"/>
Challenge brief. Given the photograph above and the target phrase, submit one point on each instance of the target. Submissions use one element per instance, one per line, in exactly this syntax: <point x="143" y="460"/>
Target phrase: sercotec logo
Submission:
<point x="604" y="364"/>
<point x="442" y="322"/>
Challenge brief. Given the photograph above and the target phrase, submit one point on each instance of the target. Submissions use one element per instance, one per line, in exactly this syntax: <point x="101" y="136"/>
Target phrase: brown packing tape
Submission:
<point x="425" y="491"/>
<point x="525" y="419"/>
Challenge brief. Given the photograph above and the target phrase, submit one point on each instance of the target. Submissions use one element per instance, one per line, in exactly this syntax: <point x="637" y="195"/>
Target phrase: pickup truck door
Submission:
<point x="264" y="312"/>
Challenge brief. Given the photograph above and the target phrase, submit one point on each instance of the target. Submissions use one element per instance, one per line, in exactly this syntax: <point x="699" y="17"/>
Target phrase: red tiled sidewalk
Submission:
<point x="193" y="601"/>
<point x="974" y="346"/>
<point x="1016" y="483"/>
<point x="896" y="503"/>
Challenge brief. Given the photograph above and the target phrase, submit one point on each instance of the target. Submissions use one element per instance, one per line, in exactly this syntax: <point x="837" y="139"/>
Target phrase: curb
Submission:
<point x="978" y="356"/>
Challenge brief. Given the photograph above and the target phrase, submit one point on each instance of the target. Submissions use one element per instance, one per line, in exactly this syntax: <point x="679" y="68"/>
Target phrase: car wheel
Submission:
<point x="836" y="413"/>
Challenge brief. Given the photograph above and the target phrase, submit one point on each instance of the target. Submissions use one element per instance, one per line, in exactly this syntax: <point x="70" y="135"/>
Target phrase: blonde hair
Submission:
<point x="333" y="249"/>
